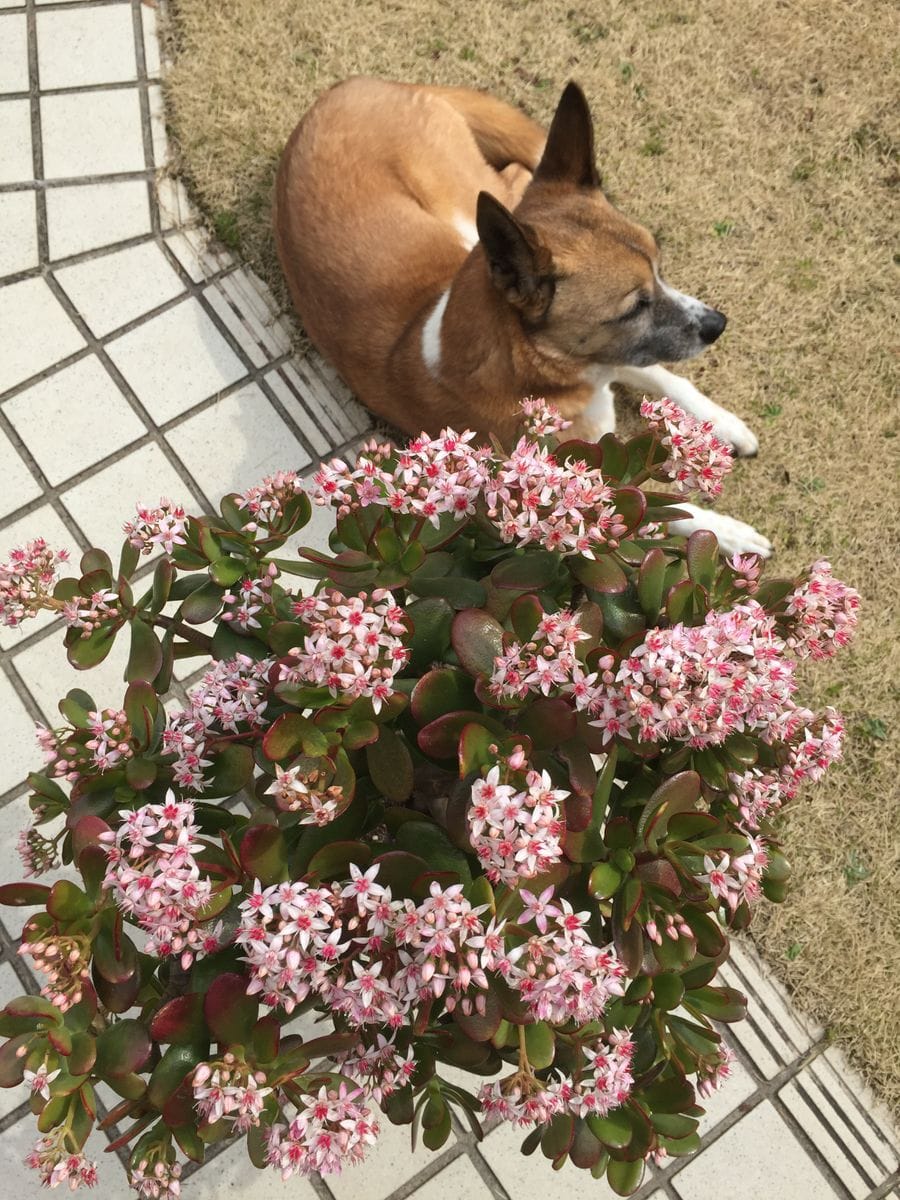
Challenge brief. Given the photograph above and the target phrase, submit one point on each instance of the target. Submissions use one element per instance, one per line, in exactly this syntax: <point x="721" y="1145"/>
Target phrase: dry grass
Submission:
<point x="756" y="139"/>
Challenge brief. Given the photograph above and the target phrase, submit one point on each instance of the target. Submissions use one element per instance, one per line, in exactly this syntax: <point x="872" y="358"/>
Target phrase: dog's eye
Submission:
<point x="636" y="309"/>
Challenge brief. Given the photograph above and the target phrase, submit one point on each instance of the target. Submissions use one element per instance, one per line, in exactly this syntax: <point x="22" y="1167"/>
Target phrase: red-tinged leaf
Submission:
<point x="602" y="574"/>
<point x="333" y="861"/>
<point x="141" y="706"/>
<point x="122" y="1048"/>
<point x="86" y="832"/>
<point x="651" y="581"/>
<point x="283" y="636"/>
<point x="474" y="748"/>
<point x="232" y="770"/>
<point x="290" y="734"/>
<point x="141" y="773"/>
<point x="480" y="1027"/>
<point x="588" y="845"/>
<point x="23" y="895"/>
<point x="582" y="772"/>
<point x="67" y="902"/>
<point x="180" y="1021"/>
<point x="178" y="1111"/>
<point x="585" y="1151"/>
<point x="61" y="1040"/>
<point x="718" y="1003"/>
<point x="440" y="738"/>
<point x="558" y="1136"/>
<point x="145" y="657"/>
<point x="359" y="734"/>
<point x="439" y="691"/>
<point x="629" y="943"/>
<point x="12" y="1064"/>
<point x="526" y="614"/>
<point x="83" y="1053"/>
<point x="230" y="1012"/>
<point x="265" y="1040"/>
<point x="84" y="653"/>
<point x="191" y="1144"/>
<point x="263" y="853"/>
<point x="678" y="601"/>
<point x="660" y="874"/>
<point x="578" y="450"/>
<point x="631" y="506"/>
<point x="115" y="956"/>
<point x="613" y="457"/>
<point x="678" y="794"/>
<point x="548" y="722"/>
<point x="477" y="639"/>
<point x="703" y="557"/>
<point x="171" y="1070"/>
<point x="204" y="603"/>
<point x="390" y="766"/>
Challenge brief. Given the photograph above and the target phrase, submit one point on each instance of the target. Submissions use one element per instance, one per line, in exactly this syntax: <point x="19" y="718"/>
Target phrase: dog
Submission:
<point x="450" y="257"/>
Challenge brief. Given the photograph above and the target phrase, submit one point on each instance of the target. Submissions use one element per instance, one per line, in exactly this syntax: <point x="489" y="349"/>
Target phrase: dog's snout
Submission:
<point x="712" y="324"/>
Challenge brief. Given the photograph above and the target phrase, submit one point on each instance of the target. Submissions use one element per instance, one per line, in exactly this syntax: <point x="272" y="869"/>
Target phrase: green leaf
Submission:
<point x="625" y="1177"/>
<point x="558" y="1136"/>
<point x="439" y="691"/>
<point x="477" y="639"/>
<point x="390" y="766"/>
<point x="204" y="603"/>
<point x="650" y="582"/>
<point x="703" y="557"/>
<point x="163" y="578"/>
<point x="588" y="845"/>
<point x="232" y="770"/>
<point x="67" y="902"/>
<point x="718" y="1003"/>
<point x="226" y="571"/>
<point x="96" y="560"/>
<point x="290" y="734"/>
<point x="480" y="1027"/>
<point x="677" y="794"/>
<point x="430" y="639"/>
<point x="430" y="842"/>
<point x="526" y="614"/>
<point x="604" y="880"/>
<point x="540" y="1044"/>
<point x="122" y="1048"/>
<point x="333" y="861"/>
<point x="88" y="652"/>
<point x="602" y="574"/>
<point x="614" y="1130"/>
<point x="263" y="854"/>
<point x="668" y="990"/>
<point x="526" y="570"/>
<point x="548" y="721"/>
<point x="171" y="1070"/>
<point x="678" y="601"/>
<point x="230" y="1013"/>
<point x="180" y="1021"/>
<point x="440" y="738"/>
<point x="456" y="591"/>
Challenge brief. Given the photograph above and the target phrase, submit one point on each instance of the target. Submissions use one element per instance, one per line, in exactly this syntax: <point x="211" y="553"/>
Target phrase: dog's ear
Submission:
<point x="521" y="268"/>
<point x="569" y="154"/>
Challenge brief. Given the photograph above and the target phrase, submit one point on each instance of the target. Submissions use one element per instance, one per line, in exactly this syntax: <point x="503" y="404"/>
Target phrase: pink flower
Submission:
<point x="515" y="826"/>
<point x="27" y="580"/>
<point x="55" y="1164"/>
<point x="39" y="1081"/>
<point x="825" y="612"/>
<point x="698" y="461"/>
<point x="161" y="526"/>
<point x="266" y="503"/>
<point x="330" y="1132"/>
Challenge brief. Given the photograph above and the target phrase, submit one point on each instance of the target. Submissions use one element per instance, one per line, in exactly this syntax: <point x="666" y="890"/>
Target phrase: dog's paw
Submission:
<point x="740" y="437"/>
<point x="734" y="537"/>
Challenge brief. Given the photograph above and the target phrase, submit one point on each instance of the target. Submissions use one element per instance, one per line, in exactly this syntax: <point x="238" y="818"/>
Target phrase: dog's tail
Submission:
<point x="503" y="133"/>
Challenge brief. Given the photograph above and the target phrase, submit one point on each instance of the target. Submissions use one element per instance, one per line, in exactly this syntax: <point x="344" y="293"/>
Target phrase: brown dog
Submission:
<point x="450" y="258"/>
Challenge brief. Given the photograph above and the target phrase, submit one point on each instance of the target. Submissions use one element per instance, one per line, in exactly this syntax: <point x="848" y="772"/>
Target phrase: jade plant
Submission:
<point x="485" y="785"/>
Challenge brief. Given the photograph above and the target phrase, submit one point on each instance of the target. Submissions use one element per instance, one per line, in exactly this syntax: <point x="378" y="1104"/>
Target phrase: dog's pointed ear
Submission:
<point x="569" y="153"/>
<point x="521" y="268"/>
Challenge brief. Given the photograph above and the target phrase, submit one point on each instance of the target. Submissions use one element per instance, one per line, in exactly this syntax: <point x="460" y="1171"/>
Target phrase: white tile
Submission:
<point x="19" y="751"/>
<point x="101" y="503"/>
<point x="92" y="133"/>
<point x="151" y="41"/>
<point x="25" y="1184"/>
<point x="188" y="246"/>
<point x="868" y="1125"/>
<point x="259" y="319"/>
<point x="17" y="484"/>
<point x="158" y="134"/>
<point x="115" y="288"/>
<point x="12" y="3"/>
<point x="86" y="216"/>
<point x="13" y="53"/>
<point x="808" y="1105"/>
<point x="523" y="1176"/>
<point x="775" y="1033"/>
<point x="235" y="442"/>
<point x="319" y="430"/>
<point x="16" y="165"/>
<point x="175" y="208"/>
<point x="57" y="419"/>
<point x="85" y="45"/>
<point x="733" y="1092"/>
<point x="237" y="321"/>
<point x="175" y="360"/>
<point x="459" y="1180"/>
<point x="389" y="1163"/>
<point x="36" y="331"/>
<point x="233" y="1174"/>
<point x="47" y="674"/>
<point x="758" y="1157"/>
<point x="18" y="231"/>
<point x="43" y="522"/>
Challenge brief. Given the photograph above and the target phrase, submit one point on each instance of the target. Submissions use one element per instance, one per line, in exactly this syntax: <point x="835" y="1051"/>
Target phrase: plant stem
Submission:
<point x="194" y="636"/>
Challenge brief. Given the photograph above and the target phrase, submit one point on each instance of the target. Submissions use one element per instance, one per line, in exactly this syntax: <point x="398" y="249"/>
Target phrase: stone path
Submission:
<point x="138" y="360"/>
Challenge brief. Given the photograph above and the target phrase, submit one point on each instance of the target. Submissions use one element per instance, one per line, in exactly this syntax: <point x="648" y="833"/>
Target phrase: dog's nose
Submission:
<point x="712" y="323"/>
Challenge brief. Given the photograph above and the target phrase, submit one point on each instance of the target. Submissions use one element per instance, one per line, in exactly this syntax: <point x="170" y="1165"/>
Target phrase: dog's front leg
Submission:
<point x="660" y="382"/>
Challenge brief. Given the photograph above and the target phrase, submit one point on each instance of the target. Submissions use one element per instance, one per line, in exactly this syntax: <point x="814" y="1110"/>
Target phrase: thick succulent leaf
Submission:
<point x="390" y="766"/>
<point x="290" y="734"/>
<point x="526" y="570"/>
<point x="703" y="557"/>
<point x="170" y="1071"/>
<point x="24" y="895"/>
<point x="180" y="1021"/>
<point x="145" y="658"/>
<point x="440" y="738"/>
<point x="625" y="1177"/>
<point x="230" y="1013"/>
<point x="679" y="793"/>
<point x="548" y="722"/>
<point x="122" y="1048"/>
<point x="430" y="639"/>
<point x="480" y="1027"/>
<point x="439" y="691"/>
<point x="263" y="854"/>
<point x="232" y="770"/>
<point x="333" y="860"/>
<point x="477" y="639"/>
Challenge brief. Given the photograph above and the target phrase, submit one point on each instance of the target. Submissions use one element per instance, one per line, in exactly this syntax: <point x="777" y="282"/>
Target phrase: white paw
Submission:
<point x="735" y="537"/>
<point x="731" y="429"/>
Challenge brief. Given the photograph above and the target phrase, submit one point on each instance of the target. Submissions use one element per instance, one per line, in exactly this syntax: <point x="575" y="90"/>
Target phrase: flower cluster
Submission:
<point x="64" y="959"/>
<point x="249" y="599"/>
<point x="154" y="878"/>
<point x="354" y="646"/>
<point x="55" y="1164"/>
<point x="156" y="1180"/>
<point x="38" y="854"/>
<point x="266" y="502"/>
<point x="825" y="612"/>
<point x="603" y="1084"/>
<point x="27" y="579"/>
<point x="736" y="878"/>
<point x="566" y="507"/>
<point x="365" y="954"/>
<point x="88" y="613"/>
<point x="331" y="1131"/>
<point x="229" y="1089"/>
<point x="698" y="461"/>
<point x="303" y="791"/>
<point x="542" y="419"/>
<point x="547" y="662"/>
<point x="515" y="827"/>
<point x="379" y="1068"/>
<point x="429" y="477"/>
<point x="230" y="698"/>
<point x="161" y="526"/>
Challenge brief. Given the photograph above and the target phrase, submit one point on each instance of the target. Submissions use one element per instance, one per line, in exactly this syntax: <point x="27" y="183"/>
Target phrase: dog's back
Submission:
<point x="375" y="214"/>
